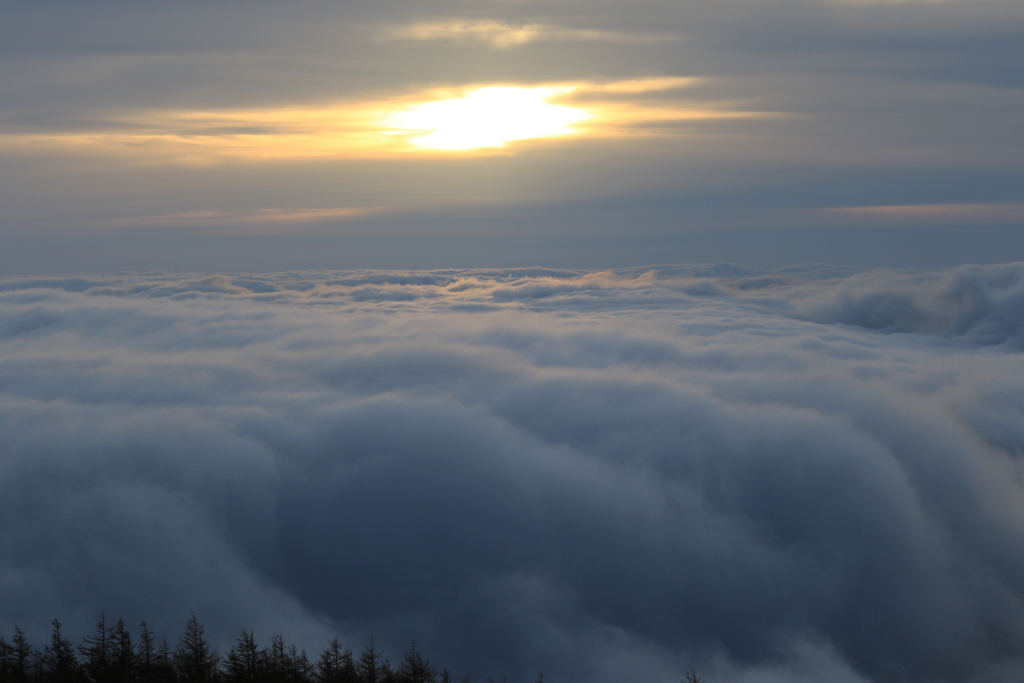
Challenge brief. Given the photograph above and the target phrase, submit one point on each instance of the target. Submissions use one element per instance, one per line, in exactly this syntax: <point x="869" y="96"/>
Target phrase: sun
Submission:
<point x="487" y="117"/>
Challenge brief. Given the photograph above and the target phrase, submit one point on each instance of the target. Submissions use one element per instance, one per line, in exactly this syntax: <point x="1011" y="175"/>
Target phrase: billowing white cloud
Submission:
<point x="807" y="474"/>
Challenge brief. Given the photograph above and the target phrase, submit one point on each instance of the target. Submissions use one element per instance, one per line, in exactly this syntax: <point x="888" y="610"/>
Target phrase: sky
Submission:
<point x="259" y="137"/>
<point x="606" y="339"/>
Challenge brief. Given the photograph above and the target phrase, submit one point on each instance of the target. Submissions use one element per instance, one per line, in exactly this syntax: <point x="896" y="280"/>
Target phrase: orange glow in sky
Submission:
<point x="483" y="119"/>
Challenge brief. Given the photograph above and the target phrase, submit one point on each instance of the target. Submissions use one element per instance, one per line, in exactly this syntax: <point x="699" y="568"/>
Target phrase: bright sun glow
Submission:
<point x="466" y="121"/>
<point x="487" y="117"/>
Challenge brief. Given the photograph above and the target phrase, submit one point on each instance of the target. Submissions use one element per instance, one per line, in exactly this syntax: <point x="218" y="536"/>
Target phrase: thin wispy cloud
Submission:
<point x="992" y="212"/>
<point x="237" y="218"/>
<point x="509" y="34"/>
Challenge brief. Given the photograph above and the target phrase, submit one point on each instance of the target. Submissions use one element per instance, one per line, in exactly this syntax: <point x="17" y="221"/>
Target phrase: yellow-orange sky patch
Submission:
<point x="477" y="119"/>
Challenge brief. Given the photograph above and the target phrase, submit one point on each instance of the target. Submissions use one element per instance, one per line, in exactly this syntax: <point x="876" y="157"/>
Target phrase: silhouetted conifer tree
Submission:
<point x="59" y="662"/>
<point x="304" y="668"/>
<point x="280" y="663"/>
<point x="5" y="660"/>
<point x="370" y="666"/>
<point x="145" y="655"/>
<point x="122" y="654"/>
<point x="336" y="664"/>
<point x="273" y="655"/>
<point x="244" y="661"/>
<point x="194" y="660"/>
<point x="414" y="669"/>
<point x="163" y="665"/>
<point x="95" y="651"/>
<point x="24" y="658"/>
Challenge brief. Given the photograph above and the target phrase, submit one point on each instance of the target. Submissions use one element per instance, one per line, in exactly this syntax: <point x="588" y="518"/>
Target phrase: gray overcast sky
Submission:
<point x="262" y="137"/>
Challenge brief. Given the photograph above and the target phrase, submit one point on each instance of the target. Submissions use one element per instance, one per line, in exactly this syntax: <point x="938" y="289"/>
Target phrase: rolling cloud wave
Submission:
<point x="771" y="475"/>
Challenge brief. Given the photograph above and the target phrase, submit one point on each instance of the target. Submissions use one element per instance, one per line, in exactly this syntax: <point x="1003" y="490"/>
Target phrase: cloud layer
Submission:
<point x="803" y="474"/>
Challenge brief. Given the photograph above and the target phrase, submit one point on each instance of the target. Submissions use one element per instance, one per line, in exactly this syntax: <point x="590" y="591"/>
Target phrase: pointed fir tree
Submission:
<point x="59" y="662"/>
<point x="304" y="668"/>
<point x="414" y="669"/>
<point x="6" y="660"/>
<point x="194" y="660"/>
<point x="145" y="655"/>
<point x="95" y="651"/>
<point x="277" y="660"/>
<point x="292" y="665"/>
<point x="336" y="664"/>
<point x="244" y="661"/>
<point x="24" y="658"/>
<point x="163" y="664"/>
<point x="122" y="654"/>
<point x="370" y="666"/>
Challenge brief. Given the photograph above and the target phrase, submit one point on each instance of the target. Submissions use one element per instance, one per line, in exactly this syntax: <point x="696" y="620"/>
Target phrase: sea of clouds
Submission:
<point x="796" y="475"/>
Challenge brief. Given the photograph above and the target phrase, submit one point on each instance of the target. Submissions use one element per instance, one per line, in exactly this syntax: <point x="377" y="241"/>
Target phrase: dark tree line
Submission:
<point x="111" y="655"/>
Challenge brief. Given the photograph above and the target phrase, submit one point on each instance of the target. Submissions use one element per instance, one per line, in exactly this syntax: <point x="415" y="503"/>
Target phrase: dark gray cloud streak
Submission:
<point x="806" y="474"/>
